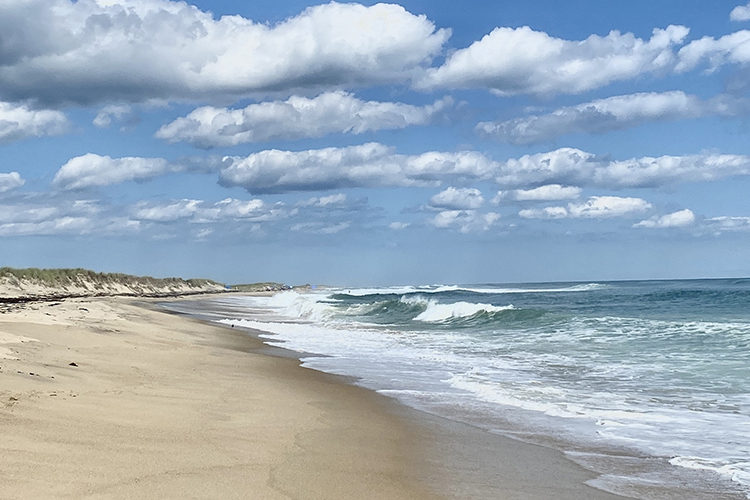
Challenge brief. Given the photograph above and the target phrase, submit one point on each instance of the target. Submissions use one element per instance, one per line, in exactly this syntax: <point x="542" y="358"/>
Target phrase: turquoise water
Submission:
<point x="646" y="383"/>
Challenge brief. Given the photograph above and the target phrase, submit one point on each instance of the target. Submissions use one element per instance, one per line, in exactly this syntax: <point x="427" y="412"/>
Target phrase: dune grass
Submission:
<point x="63" y="277"/>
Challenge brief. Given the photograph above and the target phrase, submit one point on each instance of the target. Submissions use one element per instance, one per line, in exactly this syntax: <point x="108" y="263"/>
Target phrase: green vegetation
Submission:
<point x="64" y="277"/>
<point x="266" y="286"/>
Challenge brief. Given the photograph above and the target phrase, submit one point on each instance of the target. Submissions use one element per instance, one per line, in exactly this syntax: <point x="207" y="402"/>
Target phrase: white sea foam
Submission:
<point x="739" y="472"/>
<point x="441" y="312"/>
<point x="301" y="306"/>
<point x="670" y="388"/>
<point x="395" y="290"/>
<point x="430" y="289"/>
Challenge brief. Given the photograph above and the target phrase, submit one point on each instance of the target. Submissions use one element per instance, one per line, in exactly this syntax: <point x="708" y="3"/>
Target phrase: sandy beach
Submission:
<point x="110" y="398"/>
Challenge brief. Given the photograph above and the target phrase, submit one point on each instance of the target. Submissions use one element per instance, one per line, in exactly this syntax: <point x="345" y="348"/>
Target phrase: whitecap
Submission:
<point x="441" y="312"/>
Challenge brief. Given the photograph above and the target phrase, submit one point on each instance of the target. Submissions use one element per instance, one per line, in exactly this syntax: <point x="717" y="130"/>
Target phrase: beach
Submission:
<point x="112" y="398"/>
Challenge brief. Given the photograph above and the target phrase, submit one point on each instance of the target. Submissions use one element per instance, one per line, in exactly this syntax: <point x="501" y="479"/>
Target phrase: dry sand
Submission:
<point x="108" y="399"/>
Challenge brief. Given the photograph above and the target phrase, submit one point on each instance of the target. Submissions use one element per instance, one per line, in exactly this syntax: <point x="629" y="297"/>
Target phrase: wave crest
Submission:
<point x="439" y="313"/>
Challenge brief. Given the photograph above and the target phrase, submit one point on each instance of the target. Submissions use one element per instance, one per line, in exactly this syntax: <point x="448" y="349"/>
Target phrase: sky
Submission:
<point x="369" y="143"/>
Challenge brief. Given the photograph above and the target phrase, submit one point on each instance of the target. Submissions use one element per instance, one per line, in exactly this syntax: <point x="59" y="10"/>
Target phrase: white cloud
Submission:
<point x="375" y="165"/>
<point x="296" y="118"/>
<point x="366" y="165"/>
<point x="565" y="166"/>
<point x="166" y="213"/>
<point x="596" y="207"/>
<point x="573" y="167"/>
<point x="334" y="199"/>
<point x="22" y="213"/>
<point x="604" y="115"/>
<point x="199" y="212"/>
<point x="204" y="233"/>
<point x="92" y="170"/>
<point x="466" y="221"/>
<point x="732" y="48"/>
<point x="135" y="50"/>
<point x="398" y="226"/>
<point x="549" y="213"/>
<point x="681" y="218"/>
<point x="653" y="172"/>
<point x="116" y="112"/>
<point x="19" y="121"/>
<point x="523" y="61"/>
<point x="63" y="225"/>
<point x="238" y="209"/>
<point x="35" y="215"/>
<point x="10" y="181"/>
<point x="457" y="199"/>
<point x="550" y="192"/>
<point x="740" y="13"/>
<point x="320" y="228"/>
<point x="338" y="199"/>
<point x="604" y="207"/>
<point x="727" y="223"/>
<point x="57" y="213"/>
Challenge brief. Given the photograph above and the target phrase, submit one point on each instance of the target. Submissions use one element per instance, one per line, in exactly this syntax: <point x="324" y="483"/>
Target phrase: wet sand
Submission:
<point x="110" y="399"/>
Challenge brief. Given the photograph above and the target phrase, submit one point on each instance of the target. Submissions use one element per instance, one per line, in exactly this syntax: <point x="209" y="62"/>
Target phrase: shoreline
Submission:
<point x="369" y="350"/>
<point x="162" y="406"/>
<point x="474" y="463"/>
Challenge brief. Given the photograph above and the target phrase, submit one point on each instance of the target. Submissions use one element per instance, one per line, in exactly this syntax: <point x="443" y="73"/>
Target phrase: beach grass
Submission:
<point x="69" y="276"/>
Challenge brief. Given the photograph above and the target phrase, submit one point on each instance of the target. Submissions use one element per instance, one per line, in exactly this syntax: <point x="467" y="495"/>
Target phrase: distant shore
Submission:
<point x="106" y="398"/>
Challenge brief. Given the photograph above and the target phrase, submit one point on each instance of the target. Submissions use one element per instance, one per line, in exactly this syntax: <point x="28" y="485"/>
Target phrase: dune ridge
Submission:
<point x="32" y="284"/>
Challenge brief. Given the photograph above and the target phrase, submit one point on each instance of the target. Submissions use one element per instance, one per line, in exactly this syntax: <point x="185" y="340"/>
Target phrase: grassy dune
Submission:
<point x="62" y="277"/>
<point x="30" y="283"/>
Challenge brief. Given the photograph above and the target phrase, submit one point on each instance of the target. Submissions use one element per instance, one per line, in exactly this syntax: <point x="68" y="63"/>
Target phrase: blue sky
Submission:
<point x="365" y="143"/>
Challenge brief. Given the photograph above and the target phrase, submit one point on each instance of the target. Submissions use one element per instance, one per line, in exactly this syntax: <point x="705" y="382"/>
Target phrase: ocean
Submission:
<point x="646" y="383"/>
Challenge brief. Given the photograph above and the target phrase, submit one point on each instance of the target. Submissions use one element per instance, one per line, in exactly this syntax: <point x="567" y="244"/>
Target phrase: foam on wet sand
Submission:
<point x="111" y="398"/>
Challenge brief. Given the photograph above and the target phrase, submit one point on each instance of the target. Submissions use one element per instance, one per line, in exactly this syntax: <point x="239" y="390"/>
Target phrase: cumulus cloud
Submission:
<point x="733" y="48"/>
<point x="10" y="181"/>
<point x="573" y="167"/>
<point x="681" y="218"/>
<point x="604" y="207"/>
<point x="523" y="61"/>
<point x="374" y="165"/>
<point x="166" y="212"/>
<point x="31" y="215"/>
<point x="457" y="199"/>
<point x="740" y="13"/>
<point x="63" y="225"/>
<point x="596" y="207"/>
<point x="296" y="118"/>
<point x="198" y="211"/>
<point x="19" y="121"/>
<point x="367" y="165"/>
<point x="566" y="166"/>
<point x="230" y="208"/>
<point x="332" y="200"/>
<point x="113" y="112"/>
<point x="61" y="214"/>
<point x="92" y="170"/>
<point x="466" y="221"/>
<point x="612" y="113"/>
<point x="135" y="50"/>
<point x="549" y="213"/>
<point x="550" y="192"/>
